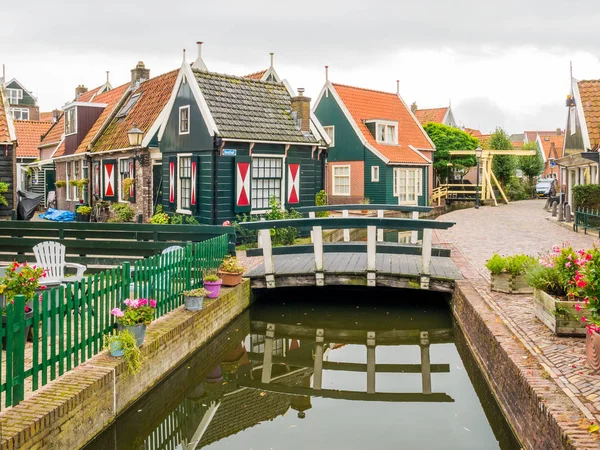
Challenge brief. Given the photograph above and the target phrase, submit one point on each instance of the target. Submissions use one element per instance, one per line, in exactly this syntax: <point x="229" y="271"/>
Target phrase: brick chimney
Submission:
<point x="558" y="132"/>
<point x="413" y="107"/>
<point x="81" y="89"/>
<point x="139" y="74"/>
<point x="301" y="106"/>
<point x="55" y="115"/>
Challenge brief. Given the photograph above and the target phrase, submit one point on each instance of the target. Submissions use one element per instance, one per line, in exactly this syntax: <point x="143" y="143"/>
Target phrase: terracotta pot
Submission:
<point x="592" y="350"/>
<point x="230" y="279"/>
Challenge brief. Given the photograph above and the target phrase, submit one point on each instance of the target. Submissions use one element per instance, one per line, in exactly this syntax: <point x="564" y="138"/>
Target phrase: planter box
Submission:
<point x="592" y="351"/>
<point x="510" y="284"/>
<point x="560" y="316"/>
<point x="230" y="279"/>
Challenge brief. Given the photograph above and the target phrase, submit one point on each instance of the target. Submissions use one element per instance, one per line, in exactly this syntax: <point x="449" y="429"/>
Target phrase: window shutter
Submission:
<point x="132" y="176"/>
<point x="293" y="182"/>
<point x="172" y="182"/>
<point x="243" y="176"/>
<point x="109" y="179"/>
<point x="195" y="194"/>
<point x="96" y="171"/>
<point x="419" y="181"/>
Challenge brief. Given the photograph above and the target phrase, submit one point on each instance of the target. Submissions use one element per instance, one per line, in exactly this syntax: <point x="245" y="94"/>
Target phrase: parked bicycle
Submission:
<point x="100" y="211"/>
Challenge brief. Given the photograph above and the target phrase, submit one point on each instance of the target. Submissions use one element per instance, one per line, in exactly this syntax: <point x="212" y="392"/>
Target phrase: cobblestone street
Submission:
<point x="523" y="227"/>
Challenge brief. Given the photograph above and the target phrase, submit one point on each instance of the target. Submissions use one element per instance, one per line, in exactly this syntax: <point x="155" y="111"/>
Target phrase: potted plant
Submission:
<point x="83" y="213"/>
<point x="80" y="185"/>
<point x="127" y="185"/>
<point x="193" y="298"/>
<point x="558" y="299"/>
<point x="60" y="183"/>
<point x="20" y="279"/>
<point x="365" y="201"/>
<point x="231" y="271"/>
<point x="123" y="343"/>
<point x="212" y="283"/>
<point x="508" y="273"/>
<point x="137" y="315"/>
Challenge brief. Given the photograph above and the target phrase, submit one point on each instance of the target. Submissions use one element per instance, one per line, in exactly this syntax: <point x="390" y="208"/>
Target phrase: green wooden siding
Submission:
<point x="27" y="99"/>
<point x="423" y="200"/>
<point x="377" y="191"/>
<point x="348" y="146"/>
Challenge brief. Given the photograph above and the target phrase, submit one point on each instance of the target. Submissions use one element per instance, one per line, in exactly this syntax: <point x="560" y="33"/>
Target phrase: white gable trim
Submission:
<point x="56" y="148"/>
<point x="416" y="150"/>
<point x="12" y="133"/>
<point x="540" y="146"/>
<point x="271" y="71"/>
<point x="319" y="97"/>
<point x="582" y="122"/>
<point x="14" y="80"/>
<point x="186" y="73"/>
<point x="417" y="122"/>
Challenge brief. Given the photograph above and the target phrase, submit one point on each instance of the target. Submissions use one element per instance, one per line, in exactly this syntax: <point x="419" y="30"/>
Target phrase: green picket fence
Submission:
<point x="68" y="323"/>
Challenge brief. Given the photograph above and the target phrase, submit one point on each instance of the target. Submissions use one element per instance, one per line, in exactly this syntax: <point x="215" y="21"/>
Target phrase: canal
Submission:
<point x="343" y="369"/>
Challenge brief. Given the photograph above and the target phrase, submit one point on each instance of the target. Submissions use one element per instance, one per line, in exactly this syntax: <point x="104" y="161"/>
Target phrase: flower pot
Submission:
<point x="592" y="350"/>
<point x="28" y="315"/>
<point x="560" y="316"/>
<point x="193" y="303"/>
<point x="213" y="287"/>
<point x="82" y="217"/>
<point x="509" y="284"/>
<point x="230" y="279"/>
<point x="115" y="349"/>
<point x="138" y="331"/>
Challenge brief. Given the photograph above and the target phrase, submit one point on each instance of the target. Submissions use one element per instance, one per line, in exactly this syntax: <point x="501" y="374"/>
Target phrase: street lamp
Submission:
<point x="478" y="154"/>
<point x="135" y="136"/>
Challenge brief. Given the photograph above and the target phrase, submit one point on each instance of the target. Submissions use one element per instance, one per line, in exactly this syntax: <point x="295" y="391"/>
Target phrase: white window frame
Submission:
<point x="283" y="182"/>
<point x="374" y="174"/>
<point x="572" y="124"/>
<point x="418" y="172"/>
<point x="386" y="124"/>
<point x="18" y="97"/>
<point x="85" y="173"/>
<point x="119" y="180"/>
<point x="73" y="121"/>
<point x="75" y="167"/>
<point x="333" y="178"/>
<point x="330" y="130"/>
<point x="21" y="111"/>
<point x="181" y="109"/>
<point x="179" y="209"/>
<point x="67" y="179"/>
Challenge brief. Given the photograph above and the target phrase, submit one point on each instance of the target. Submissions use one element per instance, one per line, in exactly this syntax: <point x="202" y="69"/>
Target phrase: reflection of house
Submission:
<point x="8" y="140"/>
<point x="378" y="148"/>
<point x="437" y="115"/>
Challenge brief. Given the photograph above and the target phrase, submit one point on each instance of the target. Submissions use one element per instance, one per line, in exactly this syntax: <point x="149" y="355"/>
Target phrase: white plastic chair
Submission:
<point x="51" y="256"/>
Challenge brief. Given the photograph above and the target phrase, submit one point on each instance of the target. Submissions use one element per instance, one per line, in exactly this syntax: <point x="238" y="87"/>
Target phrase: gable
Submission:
<point x="28" y="99"/>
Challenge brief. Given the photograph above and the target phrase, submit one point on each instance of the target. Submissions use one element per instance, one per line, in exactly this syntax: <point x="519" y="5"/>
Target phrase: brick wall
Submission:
<point x="70" y="411"/>
<point x="541" y="414"/>
<point x="357" y="183"/>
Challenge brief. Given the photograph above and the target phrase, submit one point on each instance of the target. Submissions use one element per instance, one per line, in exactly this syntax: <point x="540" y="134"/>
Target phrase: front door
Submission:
<point x="156" y="186"/>
<point x="50" y="176"/>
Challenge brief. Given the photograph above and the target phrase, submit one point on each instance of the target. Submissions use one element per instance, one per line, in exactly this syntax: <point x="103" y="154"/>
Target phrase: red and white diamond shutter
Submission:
<point x="243" y="176"/>
<point x="109" y="179"/>
<point x="293" y="181"/>
<point x="172" y="181"/>
<point x="193" y="194"/>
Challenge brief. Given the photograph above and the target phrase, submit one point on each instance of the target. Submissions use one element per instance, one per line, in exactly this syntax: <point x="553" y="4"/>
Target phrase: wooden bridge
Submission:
<point x="371" y="263"/>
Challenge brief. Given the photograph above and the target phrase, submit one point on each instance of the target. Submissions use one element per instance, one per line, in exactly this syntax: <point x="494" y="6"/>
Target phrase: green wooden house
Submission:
<point x="378" y="148"/>
<point x="230" y="144"/>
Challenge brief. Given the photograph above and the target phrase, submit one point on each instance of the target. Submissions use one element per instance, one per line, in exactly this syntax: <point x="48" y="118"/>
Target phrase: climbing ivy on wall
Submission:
<point x="3" y="190"/>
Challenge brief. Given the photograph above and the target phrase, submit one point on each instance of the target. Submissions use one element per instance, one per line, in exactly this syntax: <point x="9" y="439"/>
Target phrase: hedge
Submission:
<point x="586" y="196"/>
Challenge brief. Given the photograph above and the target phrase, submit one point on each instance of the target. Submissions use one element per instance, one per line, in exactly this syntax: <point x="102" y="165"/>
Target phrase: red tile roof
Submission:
<point x="29" y="133"/>
<point x="4" y="132"/>
<point x="431" y="115"/>
<point x="87" y="96"/>
<point x="111" y="99"/>
<point x="547" y="142"/>
<point x="46" y="116"/>
<point x="532" y="135"/>
<point x="256" y="75"/>
<point x="54" y="134"/>
<point x="517" y="145"/>
<point x="154" y="95"/>
<point x="366" y="104"/>
<point x="473" y="132"/>
<point x="589" y="92"/>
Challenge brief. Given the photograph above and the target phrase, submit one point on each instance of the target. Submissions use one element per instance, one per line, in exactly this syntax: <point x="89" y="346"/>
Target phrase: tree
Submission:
<point x="531" y="166"/>
<point x="503" y="165"/>
<point x="448" y="138"/>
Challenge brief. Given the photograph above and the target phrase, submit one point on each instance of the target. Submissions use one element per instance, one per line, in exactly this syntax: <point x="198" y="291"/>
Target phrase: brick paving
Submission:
<point x="523" y="227"/>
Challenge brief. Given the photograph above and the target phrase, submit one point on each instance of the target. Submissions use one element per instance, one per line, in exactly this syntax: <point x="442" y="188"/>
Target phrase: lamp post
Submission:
<point x="135" y="136"/>
<point x="478" y="154"/>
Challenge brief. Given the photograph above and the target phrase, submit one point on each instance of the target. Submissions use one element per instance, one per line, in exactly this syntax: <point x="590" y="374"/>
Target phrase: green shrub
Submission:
<point x="245" y="237"/>
<point x="518" y="189"/>
<point x="321" y="200"/>
<point x="3" y="190"/>
<point x="191" y="220"/>
<point x="496" y="264"/>
<point x="125" y="340"/>
<point x="159" y="218"/>
<point x="518" y="264"/>
<point x="545" y="279"/>
<point x="122" y="212"/>
<point x="177" y="219"/>
<point x="282" y="236"/>
<point x="586" y="196"/>
<point x="84" y="210"/>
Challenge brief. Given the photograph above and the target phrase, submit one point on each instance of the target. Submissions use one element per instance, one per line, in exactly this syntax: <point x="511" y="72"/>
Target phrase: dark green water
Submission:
<point x="370" y="396"/>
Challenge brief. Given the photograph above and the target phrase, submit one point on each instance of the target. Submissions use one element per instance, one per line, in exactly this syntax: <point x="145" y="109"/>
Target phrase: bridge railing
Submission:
<point x="372" y="224"/>
<point x="380" y="208"/>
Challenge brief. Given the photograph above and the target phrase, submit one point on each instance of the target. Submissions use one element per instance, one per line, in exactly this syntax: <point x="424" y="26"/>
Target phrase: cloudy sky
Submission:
<point x="502" y="63"/>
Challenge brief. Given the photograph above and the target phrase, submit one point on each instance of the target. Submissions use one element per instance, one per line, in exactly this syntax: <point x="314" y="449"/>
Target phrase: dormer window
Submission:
<point x="71" y="121"/>
<point x="384" y="131"/>
<point x="14" y="95"/>
<point x="130" y="104"/>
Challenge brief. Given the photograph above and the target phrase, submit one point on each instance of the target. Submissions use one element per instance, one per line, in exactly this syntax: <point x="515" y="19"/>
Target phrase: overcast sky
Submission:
<point x="502" y="63"/>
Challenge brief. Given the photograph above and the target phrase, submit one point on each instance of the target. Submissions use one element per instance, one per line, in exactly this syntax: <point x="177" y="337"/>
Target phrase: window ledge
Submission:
<point x="187" y="212"/>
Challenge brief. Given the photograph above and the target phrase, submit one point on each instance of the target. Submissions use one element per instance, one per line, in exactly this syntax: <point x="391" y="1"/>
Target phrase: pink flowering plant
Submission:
<point x="21" y="279"/>
<point x="587" y="284"/>
<point x="136" y="312"/>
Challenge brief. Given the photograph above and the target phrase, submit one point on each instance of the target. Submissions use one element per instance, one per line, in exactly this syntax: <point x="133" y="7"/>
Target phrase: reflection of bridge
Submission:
<point x="373" y="263"/>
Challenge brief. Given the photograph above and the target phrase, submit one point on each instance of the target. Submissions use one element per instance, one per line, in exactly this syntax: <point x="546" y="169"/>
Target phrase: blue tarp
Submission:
<point x="58" y="215"/>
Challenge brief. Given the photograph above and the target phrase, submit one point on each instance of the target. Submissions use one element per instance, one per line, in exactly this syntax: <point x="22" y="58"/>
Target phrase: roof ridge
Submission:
<point x="237" y="77"/>
<point x="364" y="89"/>
<point x="33" y="121"/>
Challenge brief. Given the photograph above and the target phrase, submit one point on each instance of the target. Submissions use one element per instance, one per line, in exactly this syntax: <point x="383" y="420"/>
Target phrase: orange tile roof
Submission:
<point x="256" y="75"/>
<point x="4" y="132"/>
<point x="589" y="92"/>
<point x="547" y="142"/>
<point x="155" y="94"/>
<point x="473" y="132"/>
<point x="366" y="104"/>
<point x="54" y="133"/>
<point x="111" y="99"/>
<point x="517" y="145"/>
<point x="484" y="140"/>
<point x="29" y="133"/>
<point x="431" y="115"/>
<point x="87" y="96"/>
<point x="532" y="135"/>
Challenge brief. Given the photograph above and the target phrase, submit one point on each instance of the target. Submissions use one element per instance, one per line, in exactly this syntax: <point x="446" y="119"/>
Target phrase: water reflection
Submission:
<point x="326" y="368"/>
